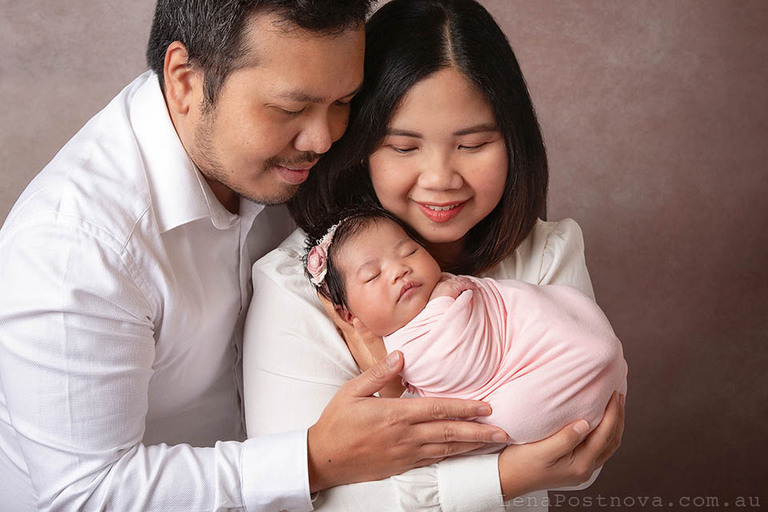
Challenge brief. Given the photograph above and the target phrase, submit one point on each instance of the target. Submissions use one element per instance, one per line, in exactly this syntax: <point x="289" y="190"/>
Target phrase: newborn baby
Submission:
<point x="541" y="356"/>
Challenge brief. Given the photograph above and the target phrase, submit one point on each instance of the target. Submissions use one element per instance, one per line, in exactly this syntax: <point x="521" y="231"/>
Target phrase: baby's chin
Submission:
<point x="413" y="309"/>
<point x="391" y="328"/>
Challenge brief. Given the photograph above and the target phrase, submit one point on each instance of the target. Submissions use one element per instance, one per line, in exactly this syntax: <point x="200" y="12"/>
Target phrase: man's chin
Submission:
<point x="278" y="197"/>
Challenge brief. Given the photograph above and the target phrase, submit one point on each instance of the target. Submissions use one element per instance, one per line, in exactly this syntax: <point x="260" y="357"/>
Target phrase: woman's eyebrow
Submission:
<point x="403" y="133"/>
<point x="478" y="128"/>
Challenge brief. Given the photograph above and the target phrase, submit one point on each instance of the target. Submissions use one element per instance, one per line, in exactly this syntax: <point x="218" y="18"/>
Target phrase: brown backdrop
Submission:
<point x="655" y="114"/>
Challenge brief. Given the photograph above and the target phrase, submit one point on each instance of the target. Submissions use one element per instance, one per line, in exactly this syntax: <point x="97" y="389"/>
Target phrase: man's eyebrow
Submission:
<point x="304" y="97"/>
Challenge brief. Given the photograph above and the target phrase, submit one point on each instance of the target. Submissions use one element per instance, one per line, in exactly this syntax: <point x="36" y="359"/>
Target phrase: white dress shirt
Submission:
<point x="123" y="289"/>
<point x="294" y="362"/>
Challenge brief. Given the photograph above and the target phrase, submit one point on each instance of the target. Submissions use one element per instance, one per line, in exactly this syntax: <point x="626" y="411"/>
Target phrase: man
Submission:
<point x="124" y="270"/>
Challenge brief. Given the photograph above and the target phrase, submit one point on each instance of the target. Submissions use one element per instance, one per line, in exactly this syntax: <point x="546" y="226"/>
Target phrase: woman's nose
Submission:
<point x="439" y="172"/>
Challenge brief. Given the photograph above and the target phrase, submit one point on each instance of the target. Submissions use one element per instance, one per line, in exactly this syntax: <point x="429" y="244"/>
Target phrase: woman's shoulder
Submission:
<point x="283" y="269"/>
<point x="286" y="258"/>
<point x="554" y="237"/>
<point x="553" y="253"/>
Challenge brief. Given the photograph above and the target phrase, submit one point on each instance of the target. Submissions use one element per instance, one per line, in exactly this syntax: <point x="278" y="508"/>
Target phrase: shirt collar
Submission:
<point x="180" y="194"/>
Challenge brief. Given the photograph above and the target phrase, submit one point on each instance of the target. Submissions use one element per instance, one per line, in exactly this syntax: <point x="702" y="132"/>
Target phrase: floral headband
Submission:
<point x="317" y="258"/>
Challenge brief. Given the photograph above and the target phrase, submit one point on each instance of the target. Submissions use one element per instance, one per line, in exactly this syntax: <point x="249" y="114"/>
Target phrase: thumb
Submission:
<point x="566" y="440"/>
<point x="377" y="376"/>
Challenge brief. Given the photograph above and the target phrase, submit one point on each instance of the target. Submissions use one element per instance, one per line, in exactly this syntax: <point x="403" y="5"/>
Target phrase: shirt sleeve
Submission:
<point x="560" y="248"/>
<point x="77" y="350"/>
<point x="294" y="362"/>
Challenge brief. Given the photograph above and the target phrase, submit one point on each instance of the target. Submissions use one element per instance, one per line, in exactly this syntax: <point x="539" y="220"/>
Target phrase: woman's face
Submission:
<point x="442" y="164"/>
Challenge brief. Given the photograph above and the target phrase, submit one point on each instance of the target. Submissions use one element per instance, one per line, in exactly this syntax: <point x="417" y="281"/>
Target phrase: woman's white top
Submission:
<point x="295" y="361"/>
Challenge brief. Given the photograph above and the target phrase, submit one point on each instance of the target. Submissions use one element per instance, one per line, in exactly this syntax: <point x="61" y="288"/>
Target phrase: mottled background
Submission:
<point x="655" y="114"/>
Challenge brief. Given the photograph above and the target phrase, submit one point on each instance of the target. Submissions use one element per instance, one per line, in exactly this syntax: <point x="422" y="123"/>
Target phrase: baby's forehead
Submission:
<point x="367" y="245"/>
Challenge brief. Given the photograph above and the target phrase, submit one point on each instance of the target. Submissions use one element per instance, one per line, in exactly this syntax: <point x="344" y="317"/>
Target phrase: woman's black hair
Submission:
<point x="407" y="41"/>
<point x="350" y="222"/>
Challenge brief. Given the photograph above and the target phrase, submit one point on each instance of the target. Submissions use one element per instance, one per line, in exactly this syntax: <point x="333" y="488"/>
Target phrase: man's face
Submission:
<point x="273" y="118"/>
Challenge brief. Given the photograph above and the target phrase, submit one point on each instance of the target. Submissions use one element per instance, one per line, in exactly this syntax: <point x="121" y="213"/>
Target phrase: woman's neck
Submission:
<point x="448" y="255"/>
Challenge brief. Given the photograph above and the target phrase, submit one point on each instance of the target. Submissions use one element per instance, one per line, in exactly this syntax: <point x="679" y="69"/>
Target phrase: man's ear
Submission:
<point x="181" y="79"/>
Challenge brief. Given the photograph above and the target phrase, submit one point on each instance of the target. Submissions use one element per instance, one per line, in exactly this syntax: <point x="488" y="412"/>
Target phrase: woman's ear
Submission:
<point x="182" y="80"/>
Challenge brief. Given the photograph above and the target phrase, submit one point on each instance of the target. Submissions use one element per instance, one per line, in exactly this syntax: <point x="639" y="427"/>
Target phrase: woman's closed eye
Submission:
<point x="472" y="147"/>
<point x="404" y="149"/>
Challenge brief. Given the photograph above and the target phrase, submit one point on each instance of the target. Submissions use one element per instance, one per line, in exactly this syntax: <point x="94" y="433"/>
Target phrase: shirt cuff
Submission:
<point x="275" y="473"/>
<point x="470" y="484"/>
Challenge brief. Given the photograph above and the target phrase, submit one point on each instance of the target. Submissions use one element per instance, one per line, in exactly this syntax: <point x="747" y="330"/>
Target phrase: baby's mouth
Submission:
<point x="406" y="288"/>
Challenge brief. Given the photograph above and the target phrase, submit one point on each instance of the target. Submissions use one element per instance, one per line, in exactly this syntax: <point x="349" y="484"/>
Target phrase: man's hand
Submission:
<point x="564" y="459"/>
<point x="360" y="437"/>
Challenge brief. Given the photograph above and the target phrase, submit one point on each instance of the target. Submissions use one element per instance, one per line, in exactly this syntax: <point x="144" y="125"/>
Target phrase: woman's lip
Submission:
<point x="293" y="176"/>
<point x="441" y="212"/>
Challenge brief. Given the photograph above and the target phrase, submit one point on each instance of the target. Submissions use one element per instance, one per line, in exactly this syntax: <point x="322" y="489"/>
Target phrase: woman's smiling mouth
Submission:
<point x="441" y="212"/>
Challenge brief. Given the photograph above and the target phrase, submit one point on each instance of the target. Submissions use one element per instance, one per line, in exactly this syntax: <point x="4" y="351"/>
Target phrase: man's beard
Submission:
<point x="209" y="164"/>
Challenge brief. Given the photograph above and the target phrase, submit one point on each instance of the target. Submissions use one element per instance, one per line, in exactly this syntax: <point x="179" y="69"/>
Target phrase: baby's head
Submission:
<point x="371" y="269"/>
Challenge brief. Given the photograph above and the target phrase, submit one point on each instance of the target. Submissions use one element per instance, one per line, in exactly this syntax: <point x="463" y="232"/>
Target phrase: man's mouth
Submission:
<point x="295" y="174"/>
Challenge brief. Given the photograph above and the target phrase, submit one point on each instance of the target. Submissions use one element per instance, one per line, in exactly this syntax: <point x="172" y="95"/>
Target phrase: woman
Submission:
<point x="443" y="134"/>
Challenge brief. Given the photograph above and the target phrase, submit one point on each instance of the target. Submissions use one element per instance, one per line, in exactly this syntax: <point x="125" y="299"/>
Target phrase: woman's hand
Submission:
<point x="367" y="348"/>
<point x="564" y="459"/>
<point x="359" y="437"/>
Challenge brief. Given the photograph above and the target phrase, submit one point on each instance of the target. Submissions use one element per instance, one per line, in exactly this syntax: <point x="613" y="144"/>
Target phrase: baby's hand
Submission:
<point x="452" y="286"/>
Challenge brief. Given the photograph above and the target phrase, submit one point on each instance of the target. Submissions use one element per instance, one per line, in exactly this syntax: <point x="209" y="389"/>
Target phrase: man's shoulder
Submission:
<point x="98" y="178"/>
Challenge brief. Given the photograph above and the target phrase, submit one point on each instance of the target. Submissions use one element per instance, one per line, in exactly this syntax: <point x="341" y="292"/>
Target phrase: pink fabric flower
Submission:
<point x="317" y="257"/>
<point x="317" y="264"/>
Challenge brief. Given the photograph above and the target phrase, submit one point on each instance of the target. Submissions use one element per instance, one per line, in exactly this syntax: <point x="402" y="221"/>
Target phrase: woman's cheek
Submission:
<point x="390" y="182"/>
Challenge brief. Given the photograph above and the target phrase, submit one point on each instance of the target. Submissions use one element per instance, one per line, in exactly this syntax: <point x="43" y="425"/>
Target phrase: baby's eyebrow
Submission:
<point x="369" y="265"/>
<point x="402" y="241"/>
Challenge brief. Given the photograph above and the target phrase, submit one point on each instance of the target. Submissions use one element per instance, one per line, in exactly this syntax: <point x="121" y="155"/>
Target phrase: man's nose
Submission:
<point x="321" y="131"/>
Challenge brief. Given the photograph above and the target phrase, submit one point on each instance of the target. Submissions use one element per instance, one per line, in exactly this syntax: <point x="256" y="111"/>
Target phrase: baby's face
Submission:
<point x="388" y="277"/>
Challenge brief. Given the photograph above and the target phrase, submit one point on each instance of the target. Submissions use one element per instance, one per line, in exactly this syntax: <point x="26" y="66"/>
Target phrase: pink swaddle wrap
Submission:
<point x="541" y="356"/>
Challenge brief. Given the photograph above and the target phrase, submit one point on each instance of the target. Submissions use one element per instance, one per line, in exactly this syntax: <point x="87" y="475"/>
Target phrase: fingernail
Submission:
<point x="581" y="427"/>
<point x="499" y="437"/>
<point x="392" y="360"/>
<point x="483" y="410"/>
